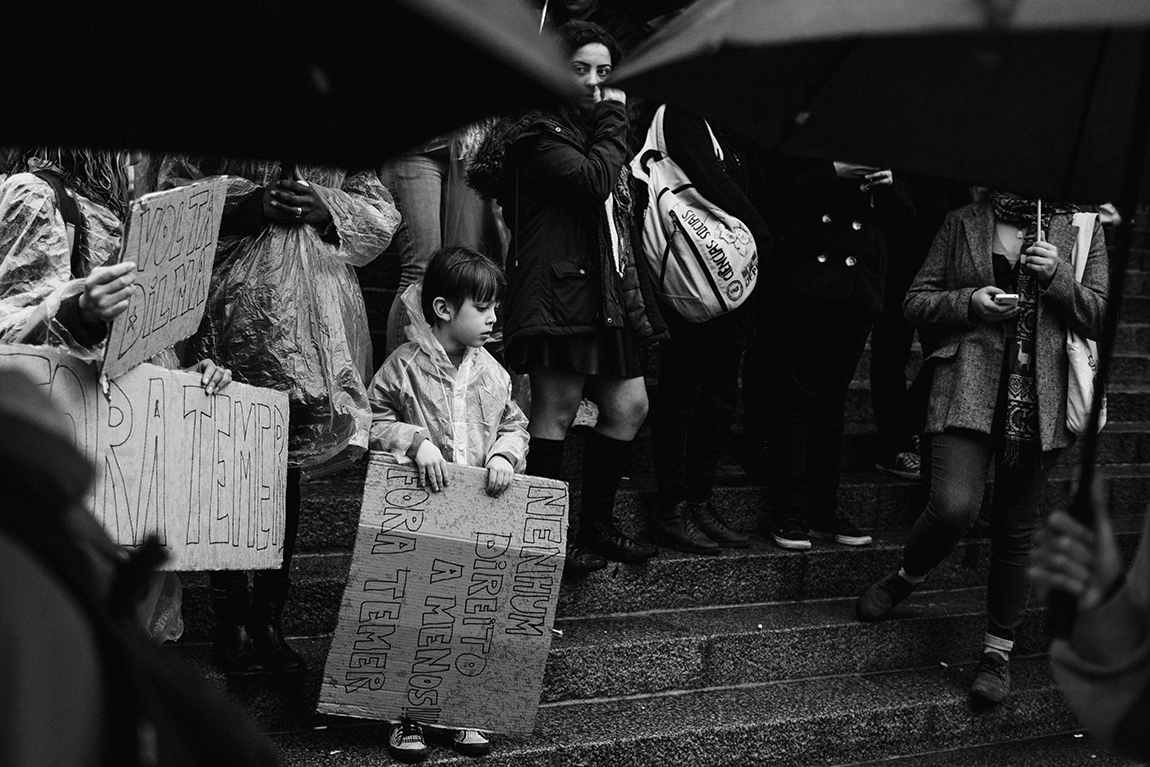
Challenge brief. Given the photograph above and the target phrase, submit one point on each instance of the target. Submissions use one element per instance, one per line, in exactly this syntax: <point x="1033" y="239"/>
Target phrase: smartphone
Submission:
<point x="1006" y="299"/>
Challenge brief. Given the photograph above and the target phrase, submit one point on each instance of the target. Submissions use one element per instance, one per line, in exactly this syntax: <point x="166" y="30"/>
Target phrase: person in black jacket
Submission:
<point x="574" y="312"/>
<point x="826" y="279"/>
<point x="699" y="362"/>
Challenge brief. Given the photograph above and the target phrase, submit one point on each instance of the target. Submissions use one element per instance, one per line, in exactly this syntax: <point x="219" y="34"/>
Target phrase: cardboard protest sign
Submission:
<point x="206" y="474"/>
<point x="171" y="236"/>
<point x="450" y="601"/>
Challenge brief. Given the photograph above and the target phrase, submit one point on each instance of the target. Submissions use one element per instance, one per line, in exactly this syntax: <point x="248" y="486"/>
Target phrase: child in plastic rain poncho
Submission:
<point x="442" y="397"/>
<point x="61" y="221"/>
<point x="285" y="312"/>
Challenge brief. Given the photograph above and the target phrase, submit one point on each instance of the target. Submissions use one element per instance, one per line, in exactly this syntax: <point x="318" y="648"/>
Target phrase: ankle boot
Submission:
<point x="717" y="530"/>
<point x="269" y="593"/>
<point x="679" y="531"/>
<point x="580" y="560"/>
<point x="232" y="648"/>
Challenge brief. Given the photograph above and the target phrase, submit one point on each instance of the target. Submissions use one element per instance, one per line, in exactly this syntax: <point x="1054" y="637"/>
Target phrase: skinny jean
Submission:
<point x="959" y="462"/>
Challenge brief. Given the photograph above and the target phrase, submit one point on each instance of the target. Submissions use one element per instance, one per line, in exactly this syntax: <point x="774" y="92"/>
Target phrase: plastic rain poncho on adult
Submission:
<point x="285" y="309"/>
<point x="36" y="257"/>
<point x="468" y="413"/>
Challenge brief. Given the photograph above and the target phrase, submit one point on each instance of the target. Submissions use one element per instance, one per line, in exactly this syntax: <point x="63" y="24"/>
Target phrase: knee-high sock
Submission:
<point x="604" y="461"/>
<point x="545" y="458"/>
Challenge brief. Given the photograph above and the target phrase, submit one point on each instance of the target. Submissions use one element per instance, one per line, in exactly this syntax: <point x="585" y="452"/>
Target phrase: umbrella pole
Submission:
<point x="1062" y="605"/>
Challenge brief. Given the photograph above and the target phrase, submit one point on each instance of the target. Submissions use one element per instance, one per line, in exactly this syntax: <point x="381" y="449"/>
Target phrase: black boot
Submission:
<point x="677" y="525"/>
<point x="269" y="593"/>
<point x="580" y="560"/>
<point x="604" y="462"/>
<point x="232" y="648"/>
<point x="717" y="530"/>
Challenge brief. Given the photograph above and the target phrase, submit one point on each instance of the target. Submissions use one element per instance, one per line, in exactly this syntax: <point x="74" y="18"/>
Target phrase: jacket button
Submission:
<point x="582" y="271"/>
<point x="609" y="321"/>
<point x="822" y="258"/>
<point x="826" y="218"/>
<point x="851" y="261"/>
<point x="856" y="225"/>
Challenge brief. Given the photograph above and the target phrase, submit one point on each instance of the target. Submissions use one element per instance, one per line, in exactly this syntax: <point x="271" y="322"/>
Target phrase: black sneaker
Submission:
<point x="609" y="542"/>
<point x="841" y="530"/>
<point x="716" y="529"/>
<point x="791" y="535"/>
<point x="405" y="741"/>
<point x="991" y="678"/>
<point x="881" y="597"/>
<point x="906" y="465"/>
<point x="580" y="560"/>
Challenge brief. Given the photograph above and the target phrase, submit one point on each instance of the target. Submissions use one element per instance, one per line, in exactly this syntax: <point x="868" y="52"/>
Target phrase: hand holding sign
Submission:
<point x="107" y="292"/>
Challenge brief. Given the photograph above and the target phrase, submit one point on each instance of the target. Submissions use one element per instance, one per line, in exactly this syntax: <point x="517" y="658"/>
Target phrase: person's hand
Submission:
<point x="107" y="291"/>
<point x="878" y="178"/>
<point x="1109" y="215"/>
<point x="854" y="170"/>
<point x="431" y="468"/>
<point x="983" y="306"/>
<point x="1041" y="258"/>
<point x="1068" y="556"/>
<point x="614" y="94"/>
<point x="213" y="378"/>
<point x="499" y="475"/>
<point x="295" y="202"/>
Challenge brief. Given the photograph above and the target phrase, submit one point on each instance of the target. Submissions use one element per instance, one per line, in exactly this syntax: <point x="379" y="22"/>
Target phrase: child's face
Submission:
<point x="471" y="324"/>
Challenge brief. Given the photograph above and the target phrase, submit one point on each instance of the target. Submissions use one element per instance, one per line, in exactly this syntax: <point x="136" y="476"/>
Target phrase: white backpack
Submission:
<point x="703" y="260"/>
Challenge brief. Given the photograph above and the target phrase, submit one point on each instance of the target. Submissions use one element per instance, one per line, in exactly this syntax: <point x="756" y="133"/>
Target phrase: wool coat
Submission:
<point x="968" y="363"/>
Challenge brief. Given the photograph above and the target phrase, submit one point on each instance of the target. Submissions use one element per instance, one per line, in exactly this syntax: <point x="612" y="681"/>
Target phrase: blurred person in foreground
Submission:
<point x="1103" y="667"/>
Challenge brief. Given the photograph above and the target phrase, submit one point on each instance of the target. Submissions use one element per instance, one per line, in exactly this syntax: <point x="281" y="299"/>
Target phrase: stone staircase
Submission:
<point x="752" y="656"/>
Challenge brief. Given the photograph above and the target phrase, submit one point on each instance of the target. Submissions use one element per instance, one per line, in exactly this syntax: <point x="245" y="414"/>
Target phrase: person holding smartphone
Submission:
<point x="998" y="292"/>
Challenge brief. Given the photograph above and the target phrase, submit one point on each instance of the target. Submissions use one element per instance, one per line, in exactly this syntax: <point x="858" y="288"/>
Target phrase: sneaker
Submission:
<point x="470" y="743"/>
<point x="677" y="527"/>
<point x="792" y="535"/>
<point x="907" y="465"/>
<point x="405" y="742"/>
<point x="841" y="530"/>
<point x="991" y="678"/>
<point x="580" y="560"/>
<point x="609" y="542"/>
<point x="881" y="597"/>
<point x="715" y="529"/>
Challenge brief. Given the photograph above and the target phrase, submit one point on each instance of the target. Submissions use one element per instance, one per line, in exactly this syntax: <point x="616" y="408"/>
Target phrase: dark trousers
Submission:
<point x="899" y="411"/>
<point x="959" y="462"/>
<point x="694" y="403"/>
<point x="816" y="349"/>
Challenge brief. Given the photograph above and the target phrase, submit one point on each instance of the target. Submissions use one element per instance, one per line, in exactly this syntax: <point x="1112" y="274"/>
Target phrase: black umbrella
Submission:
<point x="1046" y="97"/>
<point x="340" y="83"/>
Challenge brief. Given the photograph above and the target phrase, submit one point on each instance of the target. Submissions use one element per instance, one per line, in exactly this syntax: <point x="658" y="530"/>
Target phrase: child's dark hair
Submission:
<point x="575" y="34"/>
<point x="458" y="273"/>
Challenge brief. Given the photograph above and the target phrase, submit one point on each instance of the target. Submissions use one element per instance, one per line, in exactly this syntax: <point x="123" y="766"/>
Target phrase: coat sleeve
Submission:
<point x="554" y="163"/>
<point x="930" y="301"/>
<point x="1083" y="305"/>
<point x="363" y="215"/>
<point x="512" y="440"/>
<point x="1104" y="669"/>
<point x="390" y="430"/>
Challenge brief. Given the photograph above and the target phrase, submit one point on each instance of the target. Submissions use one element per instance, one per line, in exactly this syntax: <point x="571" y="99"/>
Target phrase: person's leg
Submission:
<point x="682" y="360"/>
<point x="416" y="183"/>
<point x="270" y="591"/>
<point x="838" y="345"/>
<point x="960" y="459"/>
<point x="894" y="415"/>
<point x="622" y="409"/>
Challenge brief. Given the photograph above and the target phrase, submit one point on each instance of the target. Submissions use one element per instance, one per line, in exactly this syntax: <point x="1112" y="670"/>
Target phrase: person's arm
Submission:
<point x="555" y="163"/>
<point x="512" y="440"/>
<point x="929" y="301"/>
<point x="363" y="217"/>
<point x="390" y="430"/>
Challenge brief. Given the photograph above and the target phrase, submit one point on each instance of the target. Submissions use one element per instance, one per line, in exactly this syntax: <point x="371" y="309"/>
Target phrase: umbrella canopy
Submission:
<point x="342" y="83"/>
<point x="1036" y="96"/>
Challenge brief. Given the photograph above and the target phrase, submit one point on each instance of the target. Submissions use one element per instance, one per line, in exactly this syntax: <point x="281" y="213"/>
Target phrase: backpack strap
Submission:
<point x="70" y="211"/>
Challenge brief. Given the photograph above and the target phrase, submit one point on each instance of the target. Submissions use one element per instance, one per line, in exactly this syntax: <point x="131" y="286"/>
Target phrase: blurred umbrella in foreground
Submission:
<point x="1048" y="98"/>
<point x="340" y="83"/>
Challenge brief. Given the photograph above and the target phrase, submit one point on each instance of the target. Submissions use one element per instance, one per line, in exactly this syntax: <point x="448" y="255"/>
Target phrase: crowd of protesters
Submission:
<point x="521" y="248"/>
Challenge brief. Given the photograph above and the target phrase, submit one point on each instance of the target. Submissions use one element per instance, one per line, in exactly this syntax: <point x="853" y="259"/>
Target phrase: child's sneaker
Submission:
<point x="405" y="741"/>
<point x="470" y="743"/>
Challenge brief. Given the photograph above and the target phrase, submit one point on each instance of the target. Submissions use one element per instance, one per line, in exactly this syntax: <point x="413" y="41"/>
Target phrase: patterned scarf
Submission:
<point x="1022" y="437"/>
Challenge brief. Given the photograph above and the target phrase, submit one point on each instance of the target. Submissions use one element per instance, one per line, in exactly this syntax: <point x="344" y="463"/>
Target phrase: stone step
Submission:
<point x="829" y="720"/>
<point x="671" y="581"/>
<point x="1071" y="749"/>
<point x="661" y="651"/>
